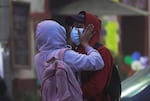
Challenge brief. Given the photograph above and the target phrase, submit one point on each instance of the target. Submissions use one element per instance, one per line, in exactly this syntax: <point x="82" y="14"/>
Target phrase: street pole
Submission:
<point x="4" y="40"/>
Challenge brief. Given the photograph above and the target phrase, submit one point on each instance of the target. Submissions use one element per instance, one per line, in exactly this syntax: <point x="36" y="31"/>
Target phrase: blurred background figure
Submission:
<point x="3" y="91"/>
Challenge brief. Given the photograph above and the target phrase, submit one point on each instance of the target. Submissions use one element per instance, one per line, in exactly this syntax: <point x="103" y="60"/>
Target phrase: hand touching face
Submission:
<point x="86" y="35"/>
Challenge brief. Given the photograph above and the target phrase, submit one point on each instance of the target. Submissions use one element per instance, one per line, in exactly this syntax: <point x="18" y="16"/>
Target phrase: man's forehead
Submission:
<point x="79" y="18"/>
<point x="76" y="22"/>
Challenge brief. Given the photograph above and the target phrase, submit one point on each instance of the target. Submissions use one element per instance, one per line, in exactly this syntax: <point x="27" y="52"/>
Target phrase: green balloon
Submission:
<point x="128" y="60"/>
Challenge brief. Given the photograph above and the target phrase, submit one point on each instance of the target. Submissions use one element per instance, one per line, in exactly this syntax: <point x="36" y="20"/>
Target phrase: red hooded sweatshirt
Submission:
<point x="93" y="83"/>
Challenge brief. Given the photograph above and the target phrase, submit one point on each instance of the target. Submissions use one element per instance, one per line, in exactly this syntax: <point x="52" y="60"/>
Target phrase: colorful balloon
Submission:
<point x="136" y="65"/>
<point x="136" y="55"/>
<point x="128" y="60"/>
<point x="144" y="61"/>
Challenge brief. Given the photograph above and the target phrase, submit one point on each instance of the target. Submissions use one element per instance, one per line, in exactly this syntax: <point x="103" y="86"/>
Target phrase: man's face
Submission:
<point x="77" y="25"/>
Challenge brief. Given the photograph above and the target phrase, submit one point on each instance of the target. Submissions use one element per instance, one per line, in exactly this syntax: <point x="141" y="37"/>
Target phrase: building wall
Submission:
<point x="134" y="34"/>
<point x="36" y="5"/>
<point x="134" y="30"/>
<point x="148" y="29"/>
<point x="25" y="79"/>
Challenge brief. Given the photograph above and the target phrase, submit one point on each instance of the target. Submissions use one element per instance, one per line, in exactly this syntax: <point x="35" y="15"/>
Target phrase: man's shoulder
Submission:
<point x="103" y="48"/>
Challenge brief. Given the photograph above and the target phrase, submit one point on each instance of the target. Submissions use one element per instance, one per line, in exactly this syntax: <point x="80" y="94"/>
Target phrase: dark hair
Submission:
<point x="78" y="18"/>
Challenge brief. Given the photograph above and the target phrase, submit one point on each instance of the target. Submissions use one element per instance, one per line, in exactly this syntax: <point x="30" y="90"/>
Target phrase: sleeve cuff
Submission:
<point x="89" y="49"/>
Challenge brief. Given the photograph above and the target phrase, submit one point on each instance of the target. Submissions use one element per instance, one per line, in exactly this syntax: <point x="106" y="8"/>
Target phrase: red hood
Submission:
<point x="91" y="19"/>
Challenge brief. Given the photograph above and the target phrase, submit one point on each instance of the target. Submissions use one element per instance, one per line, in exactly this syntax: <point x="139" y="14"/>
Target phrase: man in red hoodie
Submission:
<point x="93" y="82"/>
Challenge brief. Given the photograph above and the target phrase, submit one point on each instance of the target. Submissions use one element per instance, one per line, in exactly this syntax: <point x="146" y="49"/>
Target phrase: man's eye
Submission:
<point x="77" y="25"/>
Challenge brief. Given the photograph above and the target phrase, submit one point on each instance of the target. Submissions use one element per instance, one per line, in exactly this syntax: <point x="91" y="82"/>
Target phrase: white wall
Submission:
<point x="1" y="62"/>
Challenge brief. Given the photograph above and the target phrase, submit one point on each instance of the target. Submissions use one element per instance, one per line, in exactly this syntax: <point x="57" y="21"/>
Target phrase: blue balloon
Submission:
<point x="136" y="55"/>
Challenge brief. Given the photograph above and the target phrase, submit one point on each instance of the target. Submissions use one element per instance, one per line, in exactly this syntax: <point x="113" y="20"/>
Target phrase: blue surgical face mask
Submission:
<point x="75" y="36"/>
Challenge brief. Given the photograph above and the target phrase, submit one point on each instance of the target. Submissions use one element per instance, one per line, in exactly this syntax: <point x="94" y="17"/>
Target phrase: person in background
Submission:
<point x="93" y="82"/>
<point x="3" y="91"/>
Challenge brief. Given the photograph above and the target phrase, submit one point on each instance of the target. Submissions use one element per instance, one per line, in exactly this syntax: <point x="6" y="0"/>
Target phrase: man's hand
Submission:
<point x="86" y="35"/>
